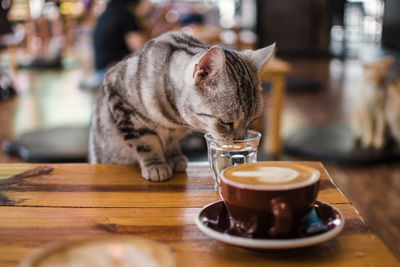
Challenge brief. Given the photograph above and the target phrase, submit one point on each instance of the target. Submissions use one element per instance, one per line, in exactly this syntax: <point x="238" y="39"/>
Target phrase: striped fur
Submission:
<point x="173" y="85"/>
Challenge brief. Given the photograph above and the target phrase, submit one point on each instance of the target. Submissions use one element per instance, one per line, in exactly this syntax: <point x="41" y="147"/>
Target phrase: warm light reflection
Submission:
<point x="73" y="8"/>
<point x="227" y="13"/>
<point x="337" y="222"/>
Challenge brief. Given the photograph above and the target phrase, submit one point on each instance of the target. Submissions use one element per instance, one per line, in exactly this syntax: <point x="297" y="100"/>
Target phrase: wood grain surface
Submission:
<point x="60" y="202"/>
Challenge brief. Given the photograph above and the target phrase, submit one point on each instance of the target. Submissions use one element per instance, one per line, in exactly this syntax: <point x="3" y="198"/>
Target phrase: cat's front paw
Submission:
<point x="378" y="142"/>
<point x="157" y="173"/>
<point x="178" y="163"/>
<point x="366" y="141"/>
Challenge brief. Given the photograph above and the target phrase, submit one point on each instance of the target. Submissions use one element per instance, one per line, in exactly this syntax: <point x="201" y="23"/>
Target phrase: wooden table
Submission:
<point x="73" y="201"/>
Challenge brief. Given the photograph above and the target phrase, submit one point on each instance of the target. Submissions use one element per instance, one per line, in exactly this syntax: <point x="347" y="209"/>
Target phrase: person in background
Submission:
<point x="5" y="26"/>
<point x="6" y="85"/>
<point x="116" y="34"/>
<point x="123" y="27"/>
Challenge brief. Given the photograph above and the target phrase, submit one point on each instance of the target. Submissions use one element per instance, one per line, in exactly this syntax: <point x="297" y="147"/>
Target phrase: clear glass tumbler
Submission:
<point x="225" y="153"/>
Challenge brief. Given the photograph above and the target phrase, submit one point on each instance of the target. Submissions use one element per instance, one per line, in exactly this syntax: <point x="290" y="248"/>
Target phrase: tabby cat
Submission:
<point x="376" y="117"/>
<point x="392" y="110"/>
<point x="173" y="85"/>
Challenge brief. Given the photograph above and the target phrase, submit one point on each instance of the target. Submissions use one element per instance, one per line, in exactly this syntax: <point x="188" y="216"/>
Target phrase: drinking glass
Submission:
<point x="225" y="153"/>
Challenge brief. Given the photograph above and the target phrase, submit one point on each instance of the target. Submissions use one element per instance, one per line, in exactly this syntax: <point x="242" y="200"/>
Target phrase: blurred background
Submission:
<point x="332" y="91"/>
<point x="51" y="62"/>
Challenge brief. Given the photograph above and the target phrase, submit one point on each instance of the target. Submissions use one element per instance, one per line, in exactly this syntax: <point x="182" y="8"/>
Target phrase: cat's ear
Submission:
<point x="260" y="57"/>
<point x="210" y="64"/>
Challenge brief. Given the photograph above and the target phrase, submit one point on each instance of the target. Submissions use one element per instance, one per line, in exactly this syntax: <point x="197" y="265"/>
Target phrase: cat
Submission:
<point x="376" y="116"/>
<point x="170" y="87"/>
<point x="392" y="110"/>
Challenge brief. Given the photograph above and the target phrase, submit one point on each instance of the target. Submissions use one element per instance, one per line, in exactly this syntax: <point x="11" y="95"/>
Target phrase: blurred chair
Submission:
<point x="60" y="144"/>
<point x="275" y="73"/>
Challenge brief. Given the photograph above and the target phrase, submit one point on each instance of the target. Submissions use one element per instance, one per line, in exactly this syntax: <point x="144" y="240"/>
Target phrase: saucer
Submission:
<point x="213" y="220"/>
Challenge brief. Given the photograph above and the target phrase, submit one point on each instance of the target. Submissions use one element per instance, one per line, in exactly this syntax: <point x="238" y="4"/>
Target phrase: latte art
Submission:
<point x="271" y="174"/>
<point x="268" y="175"/>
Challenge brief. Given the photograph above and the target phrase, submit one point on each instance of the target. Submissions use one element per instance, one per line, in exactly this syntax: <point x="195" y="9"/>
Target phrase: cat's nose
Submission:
<point x="239" y="134"/>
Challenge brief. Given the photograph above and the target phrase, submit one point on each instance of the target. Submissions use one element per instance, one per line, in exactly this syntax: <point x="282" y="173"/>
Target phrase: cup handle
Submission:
<point x="282" y="218"/>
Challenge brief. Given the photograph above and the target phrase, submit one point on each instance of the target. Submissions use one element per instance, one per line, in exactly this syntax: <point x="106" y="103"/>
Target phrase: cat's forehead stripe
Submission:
<point x="251" y="89"/>
<point x="246" y="89"/>
<point x="235" y="76"/>
<point x="188" y="41"/>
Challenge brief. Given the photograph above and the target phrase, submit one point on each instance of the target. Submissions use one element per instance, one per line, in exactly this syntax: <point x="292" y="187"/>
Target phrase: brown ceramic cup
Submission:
<point x="269" y="199"/>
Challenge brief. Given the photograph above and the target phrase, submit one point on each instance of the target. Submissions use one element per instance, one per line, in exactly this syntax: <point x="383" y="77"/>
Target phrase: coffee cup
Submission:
<point x="268" y="199"/>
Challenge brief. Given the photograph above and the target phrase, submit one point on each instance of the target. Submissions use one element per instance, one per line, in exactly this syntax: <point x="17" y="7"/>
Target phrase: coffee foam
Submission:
<point x="271" y="175"/>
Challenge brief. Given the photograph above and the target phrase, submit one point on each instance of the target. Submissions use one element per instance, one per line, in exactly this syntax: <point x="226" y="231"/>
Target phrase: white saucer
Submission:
<point x="331" y="215"/>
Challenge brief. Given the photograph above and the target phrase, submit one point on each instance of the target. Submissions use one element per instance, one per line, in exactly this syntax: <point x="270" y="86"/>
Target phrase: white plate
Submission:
<point x="336" y="220"/>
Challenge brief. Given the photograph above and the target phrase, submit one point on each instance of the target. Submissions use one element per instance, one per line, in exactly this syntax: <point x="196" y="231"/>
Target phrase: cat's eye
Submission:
<point x="229" y="124"/>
